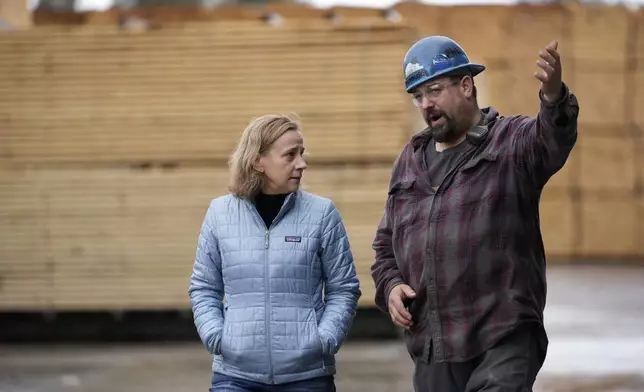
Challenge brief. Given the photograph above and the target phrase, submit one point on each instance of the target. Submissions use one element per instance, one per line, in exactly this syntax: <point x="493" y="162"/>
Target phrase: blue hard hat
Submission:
<point x="436" y="56"/>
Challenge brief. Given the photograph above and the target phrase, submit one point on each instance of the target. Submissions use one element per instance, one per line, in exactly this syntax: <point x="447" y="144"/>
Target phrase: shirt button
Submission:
<point x="433" y="311"/>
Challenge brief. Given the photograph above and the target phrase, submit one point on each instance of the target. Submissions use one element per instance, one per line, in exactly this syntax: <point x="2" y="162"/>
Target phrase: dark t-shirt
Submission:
<point x="439" y="164"/>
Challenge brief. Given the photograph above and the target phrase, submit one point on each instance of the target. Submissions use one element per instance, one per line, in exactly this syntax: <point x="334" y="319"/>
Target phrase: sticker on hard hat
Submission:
<point x="411" y="68"/>
<point x="440" y="62"/>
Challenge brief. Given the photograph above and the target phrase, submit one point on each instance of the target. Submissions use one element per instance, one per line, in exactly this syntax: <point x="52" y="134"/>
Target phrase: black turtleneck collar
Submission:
<point x="269" y="206"/>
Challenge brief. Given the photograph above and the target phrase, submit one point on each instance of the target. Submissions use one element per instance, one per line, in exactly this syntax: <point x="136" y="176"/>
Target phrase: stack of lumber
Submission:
<point x="635" y="102"/>
<point x="607" y="185"/>
<point x="82" y="108"/>
<point x="121" y="238"/>
<point x="104" y="95"/>
<point x="114" y="139"/>
<point x="106" y="238"/>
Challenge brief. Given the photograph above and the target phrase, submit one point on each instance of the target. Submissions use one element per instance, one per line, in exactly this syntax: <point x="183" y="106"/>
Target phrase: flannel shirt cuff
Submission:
<point x="565" y="95"/>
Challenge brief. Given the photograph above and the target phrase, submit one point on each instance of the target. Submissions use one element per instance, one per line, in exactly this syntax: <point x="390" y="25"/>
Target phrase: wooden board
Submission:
<point x="324" y="181"/>
<point x="639" y="160"/>
<point x="606" y="164"/>
<point x="600" y="35"/>
<point x="638" y="98"/>
<point x="177" y="94"/>
<point x="532" y="26"/>
<point x="362" y="203"/>
<point x="590" y="86"/>
<point x="639" y="163"/>
<point x="77" y="239"/>
<point x="26" y="268"/>
<point x="558" y="222"/>
<point x="476" y="27"/>
<point x="609" y="225"/>
<point x="637" y="39"/>
<point x="125" y="239"/>
<point x="509" y="86"/>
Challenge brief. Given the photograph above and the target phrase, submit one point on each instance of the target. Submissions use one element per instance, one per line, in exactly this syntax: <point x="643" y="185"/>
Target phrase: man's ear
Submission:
<point x="467" y="84"/>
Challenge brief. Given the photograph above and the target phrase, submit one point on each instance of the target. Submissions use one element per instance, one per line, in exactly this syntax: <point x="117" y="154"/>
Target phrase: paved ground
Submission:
<point x="595" y="319"/>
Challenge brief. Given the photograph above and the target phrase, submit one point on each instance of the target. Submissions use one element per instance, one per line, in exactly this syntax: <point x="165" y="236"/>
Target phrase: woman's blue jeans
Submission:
<point x="223" y="383"/>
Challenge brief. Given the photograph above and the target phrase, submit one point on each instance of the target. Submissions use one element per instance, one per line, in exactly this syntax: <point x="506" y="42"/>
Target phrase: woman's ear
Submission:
<point x="258" y="165"/>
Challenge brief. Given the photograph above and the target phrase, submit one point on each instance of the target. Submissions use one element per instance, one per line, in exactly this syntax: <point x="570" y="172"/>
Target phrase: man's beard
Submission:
<point x="446" y="132"/>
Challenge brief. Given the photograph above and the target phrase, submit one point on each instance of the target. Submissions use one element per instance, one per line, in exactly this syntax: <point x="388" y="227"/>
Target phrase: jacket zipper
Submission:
<point x="267" y="291"/>
<point x="267" y="315"/>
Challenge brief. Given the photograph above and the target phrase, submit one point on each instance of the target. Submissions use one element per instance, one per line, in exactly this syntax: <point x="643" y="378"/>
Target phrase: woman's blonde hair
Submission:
<point x="257" y="138"/>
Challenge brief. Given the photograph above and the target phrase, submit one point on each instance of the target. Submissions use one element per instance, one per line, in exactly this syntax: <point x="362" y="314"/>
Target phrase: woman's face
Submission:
<point x="283" y="164"/>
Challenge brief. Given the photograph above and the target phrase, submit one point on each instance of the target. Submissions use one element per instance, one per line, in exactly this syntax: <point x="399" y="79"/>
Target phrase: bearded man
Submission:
<point x="459" y="257"/>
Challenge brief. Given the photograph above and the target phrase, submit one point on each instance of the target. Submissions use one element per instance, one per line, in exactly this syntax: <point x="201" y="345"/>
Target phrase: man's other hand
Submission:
<point x="396" y="304"/>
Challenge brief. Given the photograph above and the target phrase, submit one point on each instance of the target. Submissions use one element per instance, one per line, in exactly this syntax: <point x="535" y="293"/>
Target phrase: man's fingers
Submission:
<point x="551" y="49"/>
<point x="541" y="76"/>
<point x="409" y="293"/>
<point x="548" y="57"/>
<point x="398" y="319"/>
<point x="399" y="314"/>
<point x="401" y="322"/>
<point x="553" y="45"/>
<point x="546" y="67"/>
<point x="400" y="308"/>
<point x="554" y="54"/>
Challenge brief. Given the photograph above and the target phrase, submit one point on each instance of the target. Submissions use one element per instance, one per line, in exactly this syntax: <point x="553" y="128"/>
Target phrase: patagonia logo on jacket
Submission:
<point x="292" y="239"/>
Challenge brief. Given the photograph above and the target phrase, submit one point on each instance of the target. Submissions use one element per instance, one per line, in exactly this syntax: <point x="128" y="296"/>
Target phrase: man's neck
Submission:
<point x="475" y="119"/>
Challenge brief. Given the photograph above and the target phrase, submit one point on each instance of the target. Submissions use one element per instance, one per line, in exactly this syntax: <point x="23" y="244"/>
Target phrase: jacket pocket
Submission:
<point x="298" y="347"/>
<point x="318" y="343"/>
<point x="220" y="338"/>
<point x="243" y="343"/>
<point x="219" y="348"/>
<point x="404" y="199"/>
<point x="323" y="345"/>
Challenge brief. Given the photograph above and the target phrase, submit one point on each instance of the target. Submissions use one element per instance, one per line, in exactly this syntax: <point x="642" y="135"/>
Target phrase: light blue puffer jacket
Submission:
<point x="274" y="325"/>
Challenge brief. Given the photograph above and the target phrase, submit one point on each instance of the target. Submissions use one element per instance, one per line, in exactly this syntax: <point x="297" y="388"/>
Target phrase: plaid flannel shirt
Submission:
<point x="473" y="250"/>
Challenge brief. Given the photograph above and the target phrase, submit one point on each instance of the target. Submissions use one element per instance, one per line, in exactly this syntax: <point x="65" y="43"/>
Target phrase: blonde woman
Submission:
<point x="274" y="288"/>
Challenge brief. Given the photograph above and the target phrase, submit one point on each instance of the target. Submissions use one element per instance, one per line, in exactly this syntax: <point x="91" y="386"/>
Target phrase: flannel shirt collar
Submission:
<point x="423" y="137"/>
